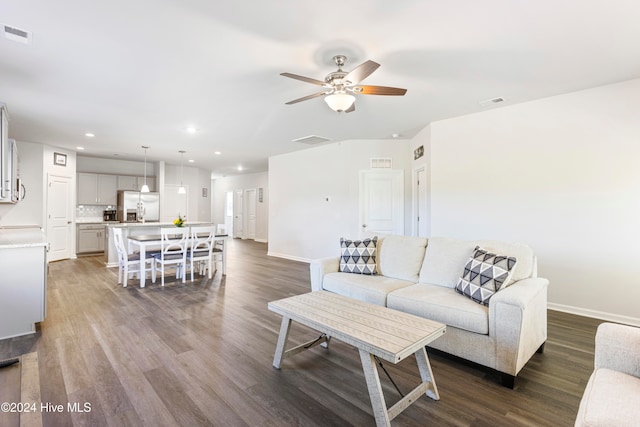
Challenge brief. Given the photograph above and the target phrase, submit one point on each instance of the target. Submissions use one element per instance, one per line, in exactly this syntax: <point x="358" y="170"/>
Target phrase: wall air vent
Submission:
<point x="492" y="101"/>
<point x="381" y="163"/>
<point x="16" y="34"/>
<point x="312" y="139"/>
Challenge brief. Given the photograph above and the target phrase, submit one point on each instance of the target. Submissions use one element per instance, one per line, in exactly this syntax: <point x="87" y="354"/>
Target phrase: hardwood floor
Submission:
<point x="201" y="354"/>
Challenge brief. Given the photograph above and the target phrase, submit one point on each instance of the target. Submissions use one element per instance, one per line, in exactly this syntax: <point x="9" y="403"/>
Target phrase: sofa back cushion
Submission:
<point x="445" y="258"/>
<point x="525" y="267"/>
<point x="444" y="261"/>
<point x="401" y="257"/>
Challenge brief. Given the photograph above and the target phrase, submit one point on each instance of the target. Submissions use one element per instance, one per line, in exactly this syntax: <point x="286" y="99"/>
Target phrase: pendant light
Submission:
<point x="181" y="190"/>
<point x="145" y="187"/>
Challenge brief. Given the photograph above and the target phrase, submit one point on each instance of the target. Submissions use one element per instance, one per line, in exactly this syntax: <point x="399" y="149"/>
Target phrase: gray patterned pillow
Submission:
<point x="358" y="256"/>
<point x="485" y="274"/>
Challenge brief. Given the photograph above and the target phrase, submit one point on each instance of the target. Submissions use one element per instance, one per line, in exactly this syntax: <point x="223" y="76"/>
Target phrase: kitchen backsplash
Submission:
<point x="91" y="211"/>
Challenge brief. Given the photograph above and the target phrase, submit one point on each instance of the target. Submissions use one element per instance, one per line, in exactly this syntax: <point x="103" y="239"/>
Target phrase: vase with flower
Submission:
<point x="179" y="222"/>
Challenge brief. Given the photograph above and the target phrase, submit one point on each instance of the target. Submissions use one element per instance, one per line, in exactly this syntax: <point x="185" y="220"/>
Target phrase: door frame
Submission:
<point x="415" y="209"/>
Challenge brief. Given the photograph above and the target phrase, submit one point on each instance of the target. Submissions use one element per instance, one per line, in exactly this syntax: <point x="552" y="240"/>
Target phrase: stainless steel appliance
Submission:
<point x="134" y="206"/>
<point x="109" y="215"/>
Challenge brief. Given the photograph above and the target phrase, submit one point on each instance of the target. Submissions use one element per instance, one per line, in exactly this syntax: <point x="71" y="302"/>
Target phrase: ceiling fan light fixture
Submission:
<point x="339" y="101"/>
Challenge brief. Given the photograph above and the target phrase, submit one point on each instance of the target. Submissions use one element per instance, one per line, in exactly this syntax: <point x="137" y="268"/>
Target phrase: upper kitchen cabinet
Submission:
<point x="128" y="182"/>
<point x="96" y="189"/>
<point x="134" y="183"/>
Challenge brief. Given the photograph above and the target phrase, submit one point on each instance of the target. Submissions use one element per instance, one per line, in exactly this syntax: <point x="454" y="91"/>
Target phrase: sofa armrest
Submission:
<point x="618" y="348"/>
<point x="518" y="322"/>
<point x="319" y="267"/>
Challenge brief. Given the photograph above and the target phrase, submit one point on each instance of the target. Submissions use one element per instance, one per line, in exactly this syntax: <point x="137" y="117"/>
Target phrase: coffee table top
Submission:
<point x="389" y="334"/>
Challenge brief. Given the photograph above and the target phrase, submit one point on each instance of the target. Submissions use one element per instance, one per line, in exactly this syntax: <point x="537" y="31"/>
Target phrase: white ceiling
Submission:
<point x="139" y="72"/>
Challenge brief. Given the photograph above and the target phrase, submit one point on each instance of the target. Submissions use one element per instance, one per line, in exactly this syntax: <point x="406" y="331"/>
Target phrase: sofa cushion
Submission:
<point x="610" y="399"/>
<point x="524" y="254"/>
<point x="400" y="257"/>
<point x="444" y="260"/>
<point x="441" y="304"/>
<point x="373" y="289"/>
<point x="485" y="274"/>
<point x="358" y="256"/>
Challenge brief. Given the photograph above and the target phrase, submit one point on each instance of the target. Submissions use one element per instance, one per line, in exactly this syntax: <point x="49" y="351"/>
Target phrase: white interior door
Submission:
<point x="238" y="215"/>
<point x="250" y="201"/>
<point x="59" y="217"/>
<point x="382" y="201"/>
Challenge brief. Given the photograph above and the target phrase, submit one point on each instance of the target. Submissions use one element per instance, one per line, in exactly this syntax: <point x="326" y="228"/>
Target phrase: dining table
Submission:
<point x="144" y="241"/>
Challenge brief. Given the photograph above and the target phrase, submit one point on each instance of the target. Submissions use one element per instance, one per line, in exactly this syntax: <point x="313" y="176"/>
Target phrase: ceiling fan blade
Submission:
<point x="304" y="98"/>
<point x="304" y="79"/>
<point x="350" y="109"/>
<point x="379" y="90"/>
<point x="361" y="72"/>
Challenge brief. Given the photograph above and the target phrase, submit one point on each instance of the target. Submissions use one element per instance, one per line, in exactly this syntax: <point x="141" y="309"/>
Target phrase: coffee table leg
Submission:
<point x="426" y="374"/>
<point x="375" y="389"/>
<point x="282" y="341"/>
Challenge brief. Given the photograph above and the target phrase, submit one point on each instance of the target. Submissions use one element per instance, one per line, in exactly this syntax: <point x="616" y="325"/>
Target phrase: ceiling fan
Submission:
<point x="340" y="84"/>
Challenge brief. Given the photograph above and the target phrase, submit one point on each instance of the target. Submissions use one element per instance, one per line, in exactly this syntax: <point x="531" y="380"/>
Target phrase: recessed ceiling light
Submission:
<point x="240" y="168"/>
<point x="191" y="160"/>
<point x="395" y="135"/>
<point x="89" y="135"/>
<point x="79" y="148"/>
<point x="217" y="153"/>
<point x="192" y="129"/>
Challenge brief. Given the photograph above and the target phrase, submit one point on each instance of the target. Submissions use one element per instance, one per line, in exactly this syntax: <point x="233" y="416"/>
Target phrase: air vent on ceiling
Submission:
<point x="16" y="34"/>
<point x="492" y="101"/>
<point x="312" y="139"/>
<point x="381" y="163"/>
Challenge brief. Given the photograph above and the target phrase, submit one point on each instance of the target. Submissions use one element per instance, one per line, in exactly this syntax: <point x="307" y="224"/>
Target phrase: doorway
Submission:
<point x="238" y="215"/>
<point x="250" y="201"/>
<point x="420" y="218"/>
<point x="59" y="218"/>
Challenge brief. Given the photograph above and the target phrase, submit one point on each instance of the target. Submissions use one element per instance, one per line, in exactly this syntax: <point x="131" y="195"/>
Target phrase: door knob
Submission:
<point x="364" y="225"/>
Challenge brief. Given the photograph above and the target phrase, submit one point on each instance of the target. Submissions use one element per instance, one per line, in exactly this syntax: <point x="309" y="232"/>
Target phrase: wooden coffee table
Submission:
<point x="376" y="331"/>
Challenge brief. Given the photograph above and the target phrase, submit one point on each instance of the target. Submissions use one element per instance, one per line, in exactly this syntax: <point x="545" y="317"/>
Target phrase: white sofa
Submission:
<point x="418" y="276"/>
<point x="612" y="395"/>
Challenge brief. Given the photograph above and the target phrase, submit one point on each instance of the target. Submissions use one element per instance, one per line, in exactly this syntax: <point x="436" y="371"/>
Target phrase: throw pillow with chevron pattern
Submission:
<point x="358" y="256"/>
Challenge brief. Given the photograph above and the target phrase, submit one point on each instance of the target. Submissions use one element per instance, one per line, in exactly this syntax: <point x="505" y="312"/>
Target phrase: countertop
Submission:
<point x="22" y="238"/>
<point x="154" y="224"/>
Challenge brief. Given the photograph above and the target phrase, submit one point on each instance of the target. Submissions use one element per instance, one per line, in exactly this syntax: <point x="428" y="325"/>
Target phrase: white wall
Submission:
<point x="560" y="174"/>
<point x="303" y="225"/>
<point x="194" y="180"/>
<point x="220" y="187"/>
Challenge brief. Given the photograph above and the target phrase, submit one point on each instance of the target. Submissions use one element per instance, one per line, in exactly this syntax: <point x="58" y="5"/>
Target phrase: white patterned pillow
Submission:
<point x="485" y="274"/>
<point x="358" y="256"/>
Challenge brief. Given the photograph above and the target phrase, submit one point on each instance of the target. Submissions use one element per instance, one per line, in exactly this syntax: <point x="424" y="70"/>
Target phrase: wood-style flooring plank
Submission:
<point x="201" y="353"/>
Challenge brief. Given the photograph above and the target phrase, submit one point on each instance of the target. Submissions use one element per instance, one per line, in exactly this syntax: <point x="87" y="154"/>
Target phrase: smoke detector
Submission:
<point x="16" y="34"/>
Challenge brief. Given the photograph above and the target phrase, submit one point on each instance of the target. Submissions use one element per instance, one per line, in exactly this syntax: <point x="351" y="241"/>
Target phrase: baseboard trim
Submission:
<point x="261" y="240"/>
<point x="291" y="257"/>
<point x="610" y="317"/>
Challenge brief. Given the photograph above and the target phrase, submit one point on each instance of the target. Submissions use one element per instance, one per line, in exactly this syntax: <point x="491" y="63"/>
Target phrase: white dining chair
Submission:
<point x="130" y="263"/>
<point x="219" y="246"/>
<point x="201" y="250"/>
<point x="173" y="251"/>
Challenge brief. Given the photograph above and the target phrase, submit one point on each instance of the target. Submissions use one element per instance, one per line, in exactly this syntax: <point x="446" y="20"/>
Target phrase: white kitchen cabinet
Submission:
<point x="97" y="189"/>
<point x="128" y="182"/>
<point x="90" y="238"/>
<point x="24" y="281"/>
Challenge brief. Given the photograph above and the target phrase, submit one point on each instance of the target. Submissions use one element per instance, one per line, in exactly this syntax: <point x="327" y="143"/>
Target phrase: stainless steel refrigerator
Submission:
<point x="134" y="206"/>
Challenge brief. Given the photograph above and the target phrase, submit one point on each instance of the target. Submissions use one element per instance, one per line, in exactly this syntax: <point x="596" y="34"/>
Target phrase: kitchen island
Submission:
<point x="24" y="280"/>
